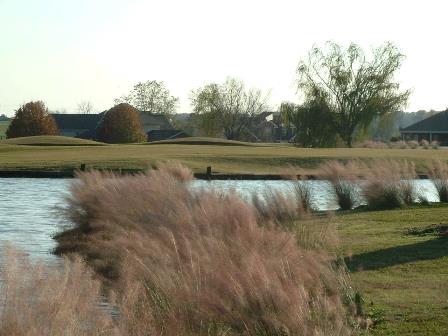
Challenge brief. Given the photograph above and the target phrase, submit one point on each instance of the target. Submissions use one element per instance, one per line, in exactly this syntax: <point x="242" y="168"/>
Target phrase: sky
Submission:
<point x="67" y="51"/>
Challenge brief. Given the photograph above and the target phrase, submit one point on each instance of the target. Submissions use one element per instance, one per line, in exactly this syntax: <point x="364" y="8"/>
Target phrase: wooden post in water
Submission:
<point x="83" y="167"/>
<point x="209" y="173"/>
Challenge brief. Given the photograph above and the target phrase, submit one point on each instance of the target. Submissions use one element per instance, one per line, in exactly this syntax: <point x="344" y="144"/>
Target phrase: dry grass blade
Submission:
<point x="36" y="300"/>
<point x="390" y="184"/>
<point x="185" y="262"/>
<point x="438" y="173"/>
<point x="343" y="178"/>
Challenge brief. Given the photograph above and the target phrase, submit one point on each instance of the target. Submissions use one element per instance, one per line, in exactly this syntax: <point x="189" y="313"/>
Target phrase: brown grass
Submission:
<point x="343" y="178"/>
<point x="185" y="262"/>
<point x="438" y="173"/>
<point x="389" y="184"/>
<point x="37" y="300"/>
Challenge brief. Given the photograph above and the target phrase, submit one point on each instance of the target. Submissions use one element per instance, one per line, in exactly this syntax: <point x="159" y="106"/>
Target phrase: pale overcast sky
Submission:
<point x="66" y="51"/>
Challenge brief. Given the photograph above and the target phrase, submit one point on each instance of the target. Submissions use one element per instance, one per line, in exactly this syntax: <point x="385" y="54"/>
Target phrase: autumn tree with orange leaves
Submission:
<point x="32" y="119"/>
<point x="122" y="124"/>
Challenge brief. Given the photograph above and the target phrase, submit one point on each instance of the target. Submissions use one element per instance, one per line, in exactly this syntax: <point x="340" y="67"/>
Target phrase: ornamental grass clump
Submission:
<point x="40" y="300"/>
<point x="435" y="144"/>
<point x="413" y="144"/>
<point x="390" y="184"/>
<point x="400" y="144"/>
<point x="194" y="262"/>
<point x="343" y="179"/>
<point x="438" y="173"/>
<point x="372" y="144"/>
<point x="424" y="144"/>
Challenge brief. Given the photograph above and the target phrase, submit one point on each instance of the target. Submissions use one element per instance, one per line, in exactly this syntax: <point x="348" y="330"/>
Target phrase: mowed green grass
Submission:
<point x="46" y="140"/>
<point x="402" y="277"/>
<point x="244" y="159"/>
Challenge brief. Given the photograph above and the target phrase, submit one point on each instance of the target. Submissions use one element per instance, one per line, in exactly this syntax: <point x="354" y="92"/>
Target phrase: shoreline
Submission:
<point x="199" y="176"/>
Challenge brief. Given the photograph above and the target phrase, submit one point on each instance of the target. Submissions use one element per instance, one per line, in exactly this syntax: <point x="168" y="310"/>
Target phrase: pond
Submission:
<point x="28" y="218"/>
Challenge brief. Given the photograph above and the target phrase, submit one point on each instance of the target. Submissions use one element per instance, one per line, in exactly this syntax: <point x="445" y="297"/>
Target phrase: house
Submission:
<point x="263" y="127"/>
<point x="269" y="127"/>
<point x="433" y="128"/>
<point x="156" y="126"/>
<point x="157" y="135"/>
<point x="78" y="125"/>
<point x="152" y="122"/>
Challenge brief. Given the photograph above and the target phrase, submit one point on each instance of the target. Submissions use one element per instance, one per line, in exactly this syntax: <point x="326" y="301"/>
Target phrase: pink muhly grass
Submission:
<point x="390" y="184"/>
<point x="40" y="300"/>
<point x="186" y="262"/>
<point x="438" y="173"/>
<point x="343" y="179"/>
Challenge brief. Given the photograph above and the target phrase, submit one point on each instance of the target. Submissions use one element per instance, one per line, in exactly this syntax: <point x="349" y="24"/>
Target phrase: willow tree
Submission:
<point x="312" y="122"/>
<point x="228" y="108"/>
<point x="355" y="88"/>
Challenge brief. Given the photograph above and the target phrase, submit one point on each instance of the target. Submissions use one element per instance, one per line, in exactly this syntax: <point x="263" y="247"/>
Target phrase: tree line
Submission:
<point x="121" y="124"/>
<point x="344" y="93"/>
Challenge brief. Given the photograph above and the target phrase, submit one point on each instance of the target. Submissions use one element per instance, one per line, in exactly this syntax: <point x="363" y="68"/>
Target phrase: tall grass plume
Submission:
<point x="40" y="300"/>
<point x="438" y="173"/>
<point x="390" y="184"/>
<point x="185" y="262"/>
<point x="343" y="179"/>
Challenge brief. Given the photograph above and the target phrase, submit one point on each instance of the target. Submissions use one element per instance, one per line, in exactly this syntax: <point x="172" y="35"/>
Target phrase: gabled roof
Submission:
<point x="436" y="123"/>
<point x="77" y="121"/>
<point x="148" y="118"/>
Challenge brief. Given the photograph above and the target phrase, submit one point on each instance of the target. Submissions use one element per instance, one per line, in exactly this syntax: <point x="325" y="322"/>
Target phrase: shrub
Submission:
<point x="32" y="119"/>
<point x="188" y="262"/>
<point x="435" y="144"/>
<point x="412" y="144"/>
<point x="399" y="145"/>
<point x="390" y="184"/>
<point x="438" y="173"/>
<point x="39" y="300"/>
<point x="343" y="178"/>
<point x="121" y="124"/>
<point x="373" y="144"/>
<point x="424" y="143"/>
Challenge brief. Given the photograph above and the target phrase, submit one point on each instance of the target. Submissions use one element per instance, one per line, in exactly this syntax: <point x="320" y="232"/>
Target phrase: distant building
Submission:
<point x="263" y="127"/>
<point x="153" y="122"/>
<point x="78" y="125"/>
<point x="433" y="128"/>
<point x="85" y="126"/>
<point x="269" y="127"/>
<point x="157" y="135"/>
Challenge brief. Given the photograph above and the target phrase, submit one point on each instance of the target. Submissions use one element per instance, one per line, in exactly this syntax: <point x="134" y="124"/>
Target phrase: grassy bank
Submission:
<point x="399" y="264"/>
<point x="233" y="159"/>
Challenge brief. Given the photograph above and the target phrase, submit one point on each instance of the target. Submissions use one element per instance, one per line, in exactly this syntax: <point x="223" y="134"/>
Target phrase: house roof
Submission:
<point x="156" y="135"/>
<point x="436" y="123"/>
<point x="77" y="121"/>
<point x="148" y="118"/>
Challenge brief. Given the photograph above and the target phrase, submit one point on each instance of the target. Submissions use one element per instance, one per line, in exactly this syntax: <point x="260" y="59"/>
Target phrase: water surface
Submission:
<point x="28" y="218"/>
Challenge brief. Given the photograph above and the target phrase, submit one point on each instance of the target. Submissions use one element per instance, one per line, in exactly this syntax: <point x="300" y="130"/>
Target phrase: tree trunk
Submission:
<point x="349" y="141"/>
